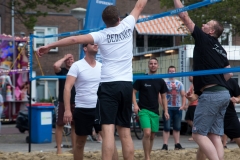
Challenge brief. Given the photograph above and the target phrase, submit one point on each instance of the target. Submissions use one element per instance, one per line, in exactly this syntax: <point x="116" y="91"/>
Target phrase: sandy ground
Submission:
<point x="188" y="154"/>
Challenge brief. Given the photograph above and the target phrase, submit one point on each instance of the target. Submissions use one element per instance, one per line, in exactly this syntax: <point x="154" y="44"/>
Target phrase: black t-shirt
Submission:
<point x="148" y="93"/>
<point x="61" y="85"/>
<point x="234" y="91"/>
<point x="208" y="54"/>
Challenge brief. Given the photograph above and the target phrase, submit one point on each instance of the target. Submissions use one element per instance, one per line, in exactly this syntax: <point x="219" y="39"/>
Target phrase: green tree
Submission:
<point x="21" y="7"/>
<point x="226" y="11"/>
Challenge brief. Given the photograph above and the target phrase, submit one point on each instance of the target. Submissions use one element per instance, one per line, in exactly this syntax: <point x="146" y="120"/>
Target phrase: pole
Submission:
<point x="79" y="46"/>
<point x="14" y="56"/>
<point x="12" y="18"/>
<point x="30" y="92"/>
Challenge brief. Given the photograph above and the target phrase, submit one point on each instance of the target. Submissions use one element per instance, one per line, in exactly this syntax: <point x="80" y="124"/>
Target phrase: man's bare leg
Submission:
<point x="206" y="146"/>
<point x="217" y="142"/>
<point x="200" y="155"/>
<point x="115" y="154"/>
<point x="73" y="136"/>
<point x="176" y="136"/>
<point x="165" y="137"/>
<point x="147" y="142"/>
<point x="224" y="140"/>
<point x="79" y="147"/>
<point x="58" y="137"/>
<point x="237" y="140"/>
<point x="151" y="141"/>
<point x="127" y="143"/>
<point x="108" y="141"/>
<point x="190" y="123"/>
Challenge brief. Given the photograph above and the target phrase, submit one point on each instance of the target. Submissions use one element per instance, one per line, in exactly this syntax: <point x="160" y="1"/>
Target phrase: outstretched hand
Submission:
<point x="42" y="50"/>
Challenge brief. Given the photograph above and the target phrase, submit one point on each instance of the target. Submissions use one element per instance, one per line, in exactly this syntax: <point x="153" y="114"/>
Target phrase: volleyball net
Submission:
<point x="179" y="56"/>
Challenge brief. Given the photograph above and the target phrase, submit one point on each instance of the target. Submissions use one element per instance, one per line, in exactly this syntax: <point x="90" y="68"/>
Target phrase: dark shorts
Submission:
<point x="231" y="124"/>
<point x="60" y="113"/>
<point x="175" y="116"/>
<point x="84" y="121"/>
<point x="115" y="103"/>
<point x="190" y="113"/>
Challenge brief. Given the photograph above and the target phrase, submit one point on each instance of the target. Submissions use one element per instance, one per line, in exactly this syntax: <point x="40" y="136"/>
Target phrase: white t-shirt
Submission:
<point x="116" y="45"/>
<point x="87" y="82"/>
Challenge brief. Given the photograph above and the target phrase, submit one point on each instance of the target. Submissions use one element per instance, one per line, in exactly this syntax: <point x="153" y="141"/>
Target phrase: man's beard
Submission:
<point x="153" y="71"/>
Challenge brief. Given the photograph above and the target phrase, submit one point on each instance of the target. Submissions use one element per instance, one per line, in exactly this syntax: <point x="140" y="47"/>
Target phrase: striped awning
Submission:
<point x="169" y="25"/>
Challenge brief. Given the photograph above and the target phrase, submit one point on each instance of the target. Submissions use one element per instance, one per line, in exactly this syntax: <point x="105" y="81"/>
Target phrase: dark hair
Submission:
<point x="153" y="58"/>
<point x="84" y="45"/>
<point x="218" y="27"/>
<point x="110" y="16"/>
<point x="171" y="67"/>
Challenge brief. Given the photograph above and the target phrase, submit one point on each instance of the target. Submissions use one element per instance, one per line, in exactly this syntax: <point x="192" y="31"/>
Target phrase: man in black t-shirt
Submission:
<point x="150" y="92"/>
<point x="214" y="99"/>
<point x="231" y="121"/>
<point x="62" y="71"/>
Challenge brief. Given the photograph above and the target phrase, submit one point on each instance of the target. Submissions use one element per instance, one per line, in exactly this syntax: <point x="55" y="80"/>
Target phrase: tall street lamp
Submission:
<point x="79" y="14"/>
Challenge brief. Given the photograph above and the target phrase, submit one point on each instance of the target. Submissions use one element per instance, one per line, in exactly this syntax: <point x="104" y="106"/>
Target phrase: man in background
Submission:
<point x="148" y="106"/>
<point x="62" y="71"/>
<point x="176" y="99"/>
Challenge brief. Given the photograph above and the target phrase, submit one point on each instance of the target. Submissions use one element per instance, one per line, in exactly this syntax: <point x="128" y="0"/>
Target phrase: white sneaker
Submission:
<point x="67" y="126"/>
<point x="89" y="138"/>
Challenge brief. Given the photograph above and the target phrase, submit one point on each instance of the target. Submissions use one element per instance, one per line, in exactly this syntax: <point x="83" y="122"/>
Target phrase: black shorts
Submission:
<point x="115" y="103"/>
<point x="231" y="124"/>
<point x="84" y="121"/>
<point x="190" y="113"/>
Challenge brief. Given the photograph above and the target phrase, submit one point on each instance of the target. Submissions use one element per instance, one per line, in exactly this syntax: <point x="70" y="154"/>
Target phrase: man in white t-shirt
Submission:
<point x="115" y="90"/>
<point x="85" y="76"/>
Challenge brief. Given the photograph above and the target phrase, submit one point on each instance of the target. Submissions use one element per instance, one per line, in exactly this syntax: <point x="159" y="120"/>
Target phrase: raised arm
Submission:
<point x="184" y="16"/>
<point x="139" y="6"/>
<point x="81" y="39"/>
<point x="57" y="65"/>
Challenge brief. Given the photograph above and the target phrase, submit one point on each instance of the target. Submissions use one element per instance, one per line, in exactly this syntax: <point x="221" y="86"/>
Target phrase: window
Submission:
<point x="47" y="88"/>
<point x="41" y="31"/>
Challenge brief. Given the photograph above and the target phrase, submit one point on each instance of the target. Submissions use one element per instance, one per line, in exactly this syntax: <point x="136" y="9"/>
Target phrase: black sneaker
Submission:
<point x="178" y="146"/>
<point x="165" y="147"/>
